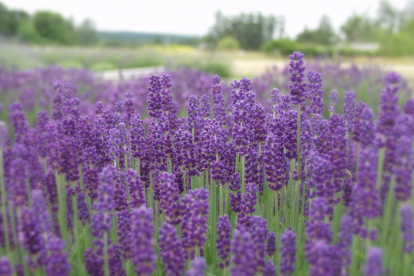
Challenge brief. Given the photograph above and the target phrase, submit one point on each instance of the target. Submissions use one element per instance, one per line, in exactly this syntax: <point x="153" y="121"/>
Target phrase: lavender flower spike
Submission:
<point x="197" y="267"/>
<point x="373" y="265"/>
<point x="142" y="249"/>
<point x="172" y="254"/>
<point x="407" y="227"/>
<point x="288" y="252"/>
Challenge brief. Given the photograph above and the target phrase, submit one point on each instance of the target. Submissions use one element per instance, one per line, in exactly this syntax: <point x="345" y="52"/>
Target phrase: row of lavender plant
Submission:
<point x="35" y="88"/>
<point x="218" y="192"/>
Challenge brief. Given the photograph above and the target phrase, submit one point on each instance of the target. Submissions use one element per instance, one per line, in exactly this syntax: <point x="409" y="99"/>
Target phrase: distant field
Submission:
<point x="228" y="64"/>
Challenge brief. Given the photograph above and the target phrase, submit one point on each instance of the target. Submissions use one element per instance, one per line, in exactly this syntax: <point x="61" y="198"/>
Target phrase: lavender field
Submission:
<point x="303" y="170"/>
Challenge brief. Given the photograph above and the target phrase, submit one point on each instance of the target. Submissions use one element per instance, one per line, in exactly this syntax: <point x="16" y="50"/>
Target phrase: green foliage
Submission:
<point x="10" y="20"/>
<point x="359" y="28"/>
<point x="102" y="66"/>
<point x="228" y="43"/>
<point x="251" y="30"/>
<point x="286" y="46"/>
<point x="54" y="28"/>
<point x="68" y="63"/>
<point x="215" y="67"/>
<point x="28" y="33"/>
<point x="324" y="34"/>
<point x="86" y="33"/>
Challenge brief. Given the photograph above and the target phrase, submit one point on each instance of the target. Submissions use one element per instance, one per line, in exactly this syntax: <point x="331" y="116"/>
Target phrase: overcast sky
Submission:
<point x="194" y="17"/>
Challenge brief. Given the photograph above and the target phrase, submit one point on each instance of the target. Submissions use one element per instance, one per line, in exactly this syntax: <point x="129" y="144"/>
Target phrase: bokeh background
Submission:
<point x="230" y="38"/>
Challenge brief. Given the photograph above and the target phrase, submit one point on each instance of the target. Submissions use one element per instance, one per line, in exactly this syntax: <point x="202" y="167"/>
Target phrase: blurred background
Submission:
<point x="229" y="38"/>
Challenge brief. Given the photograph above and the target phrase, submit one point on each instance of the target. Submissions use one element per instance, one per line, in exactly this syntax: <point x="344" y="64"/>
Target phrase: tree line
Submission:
<point x="45" y="27"/>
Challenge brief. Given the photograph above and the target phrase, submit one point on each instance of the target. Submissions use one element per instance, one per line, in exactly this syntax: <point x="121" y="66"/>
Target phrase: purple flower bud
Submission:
<point x="154" y="97"/>
<point x="93" y="263"/>
<point x="223" y="239"/>
<point x="57" y="263"/>
<point x="142" y="249"/>
<point x="5" y="267"/>
<point x="271" y="244"/>
<point x="197" y="267"/>
<point x="30" y="233"/>
<point x="4" y="135"/>
<point x="259" y="232"/>
<point x="298" y="89"/>
<point x="170" y="199"/>
<point x="244" y="254"/>
<point x="407" y="227"/>
<point x="172" y="254"/>
<point x="269" y="269"/>
<point x="288" y="252"/>
<point x="315" y="92"/>
<point x="373" y="264"/>
<point x="115" y="262"/>
<point x="333" y="97"/>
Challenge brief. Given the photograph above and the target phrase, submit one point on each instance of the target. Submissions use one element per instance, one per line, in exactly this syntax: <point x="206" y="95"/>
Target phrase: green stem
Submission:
<point x="4" y="209"/>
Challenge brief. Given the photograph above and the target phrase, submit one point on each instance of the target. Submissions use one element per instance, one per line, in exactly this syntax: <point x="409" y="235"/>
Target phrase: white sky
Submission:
<point x="194" y="17"/>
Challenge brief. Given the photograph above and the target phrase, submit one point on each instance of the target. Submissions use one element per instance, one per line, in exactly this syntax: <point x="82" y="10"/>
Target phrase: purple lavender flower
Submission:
<point x="388" y="109"/>
<point x="404" y="168"/>
<point x="288" y="252"/>
<point x="39" y="209"/>
<point x="170" y="199"/>
<point x="269" y="269"/>
<point x="218" y="101"/>
<point x="5" y="267"/>
<point x="172" y="254"/>
<point x="271" y="244"/>
<point x="247" y="205"/>
<point x="365" y="197"/>
<point x="4" y="135"/>
<point x="316" y="228"/>
<point x="69" y="158"/>
<point x="136" y="189"/>
<point x="298" y="89"/>
<point x="199" y="217"/>
<point x="102" y="220"/>
<point x="154" y="97"/>
<point x="407" y="227"/>
<point x="349" y="107"/>
<point x="315" y="92"/>
<point x="373" y="265"/>
<point x="345" y="240"/>
<point x="30" y="232"/>
<point x="124" y="226"/>
<point x="259" y="232"/>
<point x="142" y="249"/>
<point x="323" y="260"/>
<point x="235" y="182"/>
<point x="57" y="263"/>
<point x="198" y="265"/>
<point x="115" y="262"/>
<point x="223" y="239"/>
<point x="82" y="205"/>
<point x="19" y="122"/>
<point x="93" y="263"/>
<point x="244" y="254"/>
<point x="235" y="201"/>
<point x="333" y="97"/>
<point x="275" y="163"/>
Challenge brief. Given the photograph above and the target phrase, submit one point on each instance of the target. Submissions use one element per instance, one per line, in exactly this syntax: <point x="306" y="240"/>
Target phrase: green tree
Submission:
<point x="54" y="28"/>
<point x="28" y="33"/>
<point x="324" y="34"/>
<point x="358" y="28"/>
<point x="250" y="30"/>
<point x="228" y="43"/>
<point x="86" y="33"/>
